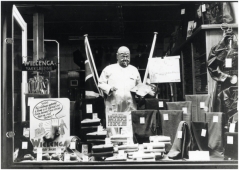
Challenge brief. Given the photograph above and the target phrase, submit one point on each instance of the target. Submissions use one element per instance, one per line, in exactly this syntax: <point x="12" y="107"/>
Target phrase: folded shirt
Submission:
<point x="115" y="158"/>
<point x="90" y="122"/>
<point x="158" y="145"/>
<point x="143" y="155"/>
<point x="125" y="147"/>
<point x="102" y="148"/>
<point x="160" y="138"/>
<point x="154" y="150"/>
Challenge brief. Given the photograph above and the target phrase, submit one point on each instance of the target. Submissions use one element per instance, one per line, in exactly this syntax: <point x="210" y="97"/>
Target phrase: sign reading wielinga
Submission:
<point x="39" y="65"/>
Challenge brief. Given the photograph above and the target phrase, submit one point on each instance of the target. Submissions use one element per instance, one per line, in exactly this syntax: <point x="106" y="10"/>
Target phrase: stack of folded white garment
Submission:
<point x="129" y="147"/>
<point x="156" y="147"/>
<point x="96" y="137"/>
<point x="118" y="138"/>
<point x="143" y="156"/>
<point x="162" y="139"/>
<point x="102" y="150"/>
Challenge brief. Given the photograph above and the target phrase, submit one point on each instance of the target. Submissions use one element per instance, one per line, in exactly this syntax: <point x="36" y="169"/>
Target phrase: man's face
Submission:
<point x="123" y="57"/>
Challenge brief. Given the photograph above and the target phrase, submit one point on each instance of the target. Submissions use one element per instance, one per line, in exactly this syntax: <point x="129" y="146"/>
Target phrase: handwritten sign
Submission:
<point x="117" y="119"/>
<point x="47" y="109"/>
<point x="164" y="70"/>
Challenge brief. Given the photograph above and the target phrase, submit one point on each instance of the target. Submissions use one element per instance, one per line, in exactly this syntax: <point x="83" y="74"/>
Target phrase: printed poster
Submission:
<point x="165" y="70"/>
<point x="49" y="123"/>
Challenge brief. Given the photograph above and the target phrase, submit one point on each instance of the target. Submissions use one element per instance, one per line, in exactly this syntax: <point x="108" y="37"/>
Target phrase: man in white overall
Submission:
<point x="117" y="80"/>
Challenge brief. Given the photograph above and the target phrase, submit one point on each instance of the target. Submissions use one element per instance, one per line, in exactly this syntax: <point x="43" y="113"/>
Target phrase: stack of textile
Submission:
<point x="129" y="148"/>
<point x="157" y="147"/>
<point x="118" y="139"/>
<point x="87" y="126"/>
<point x="102" y="151"/>
<point x="162" y="139"/>
<point x="96" y="137"/>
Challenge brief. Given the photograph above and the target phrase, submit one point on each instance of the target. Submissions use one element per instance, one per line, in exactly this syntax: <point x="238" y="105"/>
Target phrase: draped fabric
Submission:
<point x="231" y="146"/>
<point x="215" y="132"/>
<point x="198" y="113"/>
<point x="199" y="140"/>
<point x="181" y="146"/>
<point x="152" y="103"/>
<point x="187" y="105"/>
<point x="169" y="127"/>
<point x="142" y="131"/>
<point x="228" y="102"/>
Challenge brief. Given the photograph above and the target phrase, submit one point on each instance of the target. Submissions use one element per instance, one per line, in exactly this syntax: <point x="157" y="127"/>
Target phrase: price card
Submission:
<point x="139" y="159"/>
<point x="229" y="139"/>
<point x="228" y="63"/>
<point x="121" y="153"/>
<point x="215" y="118"/>
<point x="30" y="100"/>
<point x="99" y="128"/>
<point x="232" y="127"/>
<point x="39" y="154"/>
<point x="107" y="141"/>
<point x="203" y="133"/>
<point x="84" y="149"/>
<point x="58" y="151"/>
<point x="141" y="147"/>
<point x="160" y="103"/>
<point x="142" y="120"/>
<point x="73" y="145"/>
<point x="149" y="147"/>
<point x="203" y="8"/>
<point x="182" y="11"/>
<point x="180" y="134"/>
<point x="202" y="105"/>
<point x="165" y="116"/>
<point x="95" y="116"/>
<point x="185" y="110"/>
<point x="89" y="108"/>
<point x="26" y="132"/>
<point x="24" y="145"/>
<point x="85" y="158"/>
<point x="67" y="157"/>
<point x="199" y="155"/>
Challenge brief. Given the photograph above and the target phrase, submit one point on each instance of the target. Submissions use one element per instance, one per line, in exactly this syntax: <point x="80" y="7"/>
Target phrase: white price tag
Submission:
<point x="149" y="147"/>
<point x="203" y="8"/>
<point x="202" y="105"/>
<point x="232" y="127"/>
<point x="24" y="145"/>
<point x="215" y="118"/>
<point x="30" y="100"/>
<point x="73" y="145"/>
<point x="121" y="153"/>
<point x="229" y="139"/>
<point x="84" y="149"/>
<point x="203" y="133"/>
<point x="39" y="154"/>
<point x="160" y="104"/>
<point x="185" y="110"/>
<point x="26" y="132"/>
<point x="58" y="151"/>
<point x="89" y="108"/>
<point x="182" y="11"/>
<point x="142" y="120"/>
<point x="95" y="116"/>
<point x="180" y="134"/>
<point x="199" y="155"/>
<point x="99" y="128"/>
<point x="67" y="157"/>
<point x="107" y="141"/>
<point x="228" y="63"/>
<point x="139" y="159"/>
<point x="85" y="158"/>
<point x="165" y="116"/>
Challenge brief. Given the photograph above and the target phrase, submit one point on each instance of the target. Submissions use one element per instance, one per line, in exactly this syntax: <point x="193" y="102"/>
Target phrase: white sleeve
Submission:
<point x="103" y="82"/>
